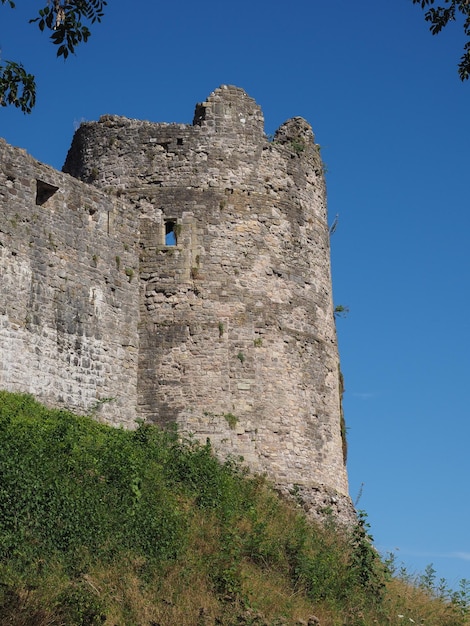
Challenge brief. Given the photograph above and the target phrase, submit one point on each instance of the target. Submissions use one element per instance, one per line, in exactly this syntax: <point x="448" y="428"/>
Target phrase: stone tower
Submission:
<point x="237" y="333"/>
<point x="185" y="275"/>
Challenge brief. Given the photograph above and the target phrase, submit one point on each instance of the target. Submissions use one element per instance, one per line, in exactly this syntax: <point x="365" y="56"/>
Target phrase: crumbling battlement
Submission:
<point x="190" y="282"/>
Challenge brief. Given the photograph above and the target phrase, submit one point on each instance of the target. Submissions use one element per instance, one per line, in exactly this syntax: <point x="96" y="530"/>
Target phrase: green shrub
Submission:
<point x="142" y="509"/>
<point x="79" y="605"/>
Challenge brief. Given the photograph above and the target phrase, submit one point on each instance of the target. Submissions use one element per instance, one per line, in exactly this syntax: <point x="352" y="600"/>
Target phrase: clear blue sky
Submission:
<point x="385" y="102"/>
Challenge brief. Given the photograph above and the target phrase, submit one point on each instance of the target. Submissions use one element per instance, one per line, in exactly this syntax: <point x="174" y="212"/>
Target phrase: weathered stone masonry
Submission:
<point x="68" y="320"/>
<point x="188" y="278"/>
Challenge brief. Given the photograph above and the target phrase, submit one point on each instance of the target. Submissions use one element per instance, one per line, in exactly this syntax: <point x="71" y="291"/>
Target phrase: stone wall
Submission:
<point x="187" y="277"/>
<point x="68" y="314"/>
<point x="237" y="335"/>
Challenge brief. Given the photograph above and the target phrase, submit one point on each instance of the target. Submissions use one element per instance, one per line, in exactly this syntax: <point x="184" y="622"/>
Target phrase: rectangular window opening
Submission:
<point x="171" y="232"/>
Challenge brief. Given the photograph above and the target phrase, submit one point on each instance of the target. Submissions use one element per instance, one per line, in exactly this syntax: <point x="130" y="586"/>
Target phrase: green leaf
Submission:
<point x="17" y="87"/>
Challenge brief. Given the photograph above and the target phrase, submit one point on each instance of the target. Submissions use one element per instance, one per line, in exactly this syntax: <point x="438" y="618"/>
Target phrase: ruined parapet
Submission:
<point x="226" y="135"/>
<point x="237" y="335"/>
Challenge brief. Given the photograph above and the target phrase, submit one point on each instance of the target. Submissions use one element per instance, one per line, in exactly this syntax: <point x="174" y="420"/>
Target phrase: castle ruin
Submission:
<point x="180" y="274"/>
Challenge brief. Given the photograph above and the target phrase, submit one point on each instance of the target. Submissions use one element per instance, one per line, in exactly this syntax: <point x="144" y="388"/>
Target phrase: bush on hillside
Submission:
<point x="101" y="525"/>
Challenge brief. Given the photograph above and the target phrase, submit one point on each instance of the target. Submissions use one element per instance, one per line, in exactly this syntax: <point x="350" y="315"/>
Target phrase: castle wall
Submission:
<point x="237" y="338"/>
<point x="69" y="291"/>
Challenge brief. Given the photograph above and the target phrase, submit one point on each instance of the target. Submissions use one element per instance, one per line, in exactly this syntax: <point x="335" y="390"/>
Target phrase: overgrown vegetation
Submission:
<point x="439" y="17"/>
<point x="106" y="526"/>
<point x="67" y="24"/>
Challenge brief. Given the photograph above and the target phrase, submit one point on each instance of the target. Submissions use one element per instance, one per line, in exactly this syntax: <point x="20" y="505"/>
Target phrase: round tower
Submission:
<point x="237" y="332"/>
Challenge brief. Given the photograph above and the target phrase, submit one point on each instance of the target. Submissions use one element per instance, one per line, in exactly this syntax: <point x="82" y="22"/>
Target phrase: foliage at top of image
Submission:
<point x="64" y="20"/>
<point x="439" y="17"/>
<point x="17" y="87"/>
<point x="106" y="526"/>
<point x="67" y="23"/>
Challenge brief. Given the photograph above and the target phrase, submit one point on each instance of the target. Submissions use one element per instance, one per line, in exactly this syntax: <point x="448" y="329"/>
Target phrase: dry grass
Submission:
<point x="145" y="530"/>
<point x="412" y="603"/>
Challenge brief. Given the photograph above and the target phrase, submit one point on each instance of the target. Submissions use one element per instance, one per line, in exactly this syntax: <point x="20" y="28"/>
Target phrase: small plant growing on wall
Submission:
<point x="241" y="357"/>
<point x="340" y="310"/>
<point x="118" y="262"/>
<point x="52" y="245"/>
<point x="14" y="220"/>
<point x="129" y="273"/>
<point x="297" y="146"/>
<point x="232" y="420"/>
<point x="96" y="406"/>
<point x="221" y="329"/>
<point x="258" y="342"/>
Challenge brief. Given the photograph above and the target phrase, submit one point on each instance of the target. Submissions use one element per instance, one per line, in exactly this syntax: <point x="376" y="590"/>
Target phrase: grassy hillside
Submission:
<point x="105" y="526"/>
